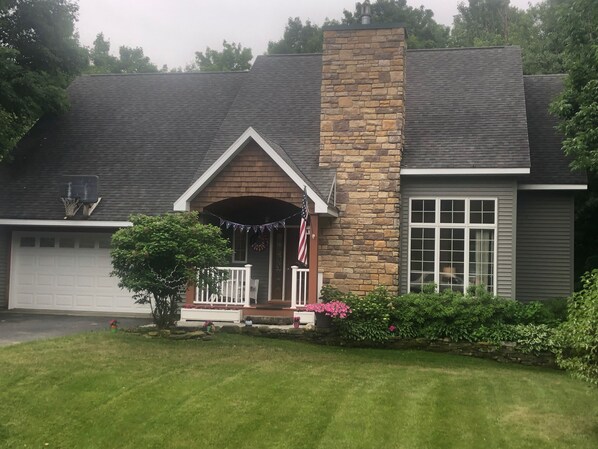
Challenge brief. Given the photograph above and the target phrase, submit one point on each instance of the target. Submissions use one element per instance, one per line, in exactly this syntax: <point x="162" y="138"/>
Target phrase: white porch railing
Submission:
<point x="299" y="278"/>
<point x="234" y="291"/>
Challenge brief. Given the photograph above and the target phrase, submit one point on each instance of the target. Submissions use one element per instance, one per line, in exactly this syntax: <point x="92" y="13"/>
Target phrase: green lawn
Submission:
<point x="100" y="390"/>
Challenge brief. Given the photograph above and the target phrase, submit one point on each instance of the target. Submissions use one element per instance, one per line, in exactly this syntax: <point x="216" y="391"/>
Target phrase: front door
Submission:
<point x="284" y="256"/>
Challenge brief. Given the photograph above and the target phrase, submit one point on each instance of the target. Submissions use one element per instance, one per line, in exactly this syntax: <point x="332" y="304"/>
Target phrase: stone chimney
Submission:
<point x="361" y="136"/>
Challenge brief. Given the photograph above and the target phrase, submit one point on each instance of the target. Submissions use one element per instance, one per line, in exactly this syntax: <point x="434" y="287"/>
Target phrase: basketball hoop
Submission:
<point x="77" y="191"/>
<point x="71" y="206"/>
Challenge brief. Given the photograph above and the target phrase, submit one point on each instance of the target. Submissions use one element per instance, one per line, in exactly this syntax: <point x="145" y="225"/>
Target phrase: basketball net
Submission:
<point x="71" y="206"/>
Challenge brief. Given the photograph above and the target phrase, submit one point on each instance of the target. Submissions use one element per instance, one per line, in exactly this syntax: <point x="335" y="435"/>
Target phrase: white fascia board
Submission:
<point x="65" y="223"/>
<point x="465" y="171"/>
<point x="552" y="187"/>
<point x="183" y="203"/>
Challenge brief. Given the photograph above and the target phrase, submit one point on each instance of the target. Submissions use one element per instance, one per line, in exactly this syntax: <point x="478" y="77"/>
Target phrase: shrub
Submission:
<point x="159" y="256"/>
<point x="477" y="316"/>
<point x="452" y="315"/>
<point x="330" y="293"/>
<point x="578" y="336"/>
<point x="369" y="318"/>
<point x="534" y="338"/>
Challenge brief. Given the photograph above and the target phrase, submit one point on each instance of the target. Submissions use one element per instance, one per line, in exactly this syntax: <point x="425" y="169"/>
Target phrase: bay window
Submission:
<point x="452" y="243"/>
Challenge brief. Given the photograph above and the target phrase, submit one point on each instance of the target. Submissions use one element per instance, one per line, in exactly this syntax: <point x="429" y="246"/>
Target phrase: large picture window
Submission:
<point x="452" y="243"/>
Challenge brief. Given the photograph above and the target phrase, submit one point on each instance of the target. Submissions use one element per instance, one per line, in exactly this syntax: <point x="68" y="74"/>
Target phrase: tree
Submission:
<point x="578" y="105"/>
<point x="131" y="60"/>
<point x="159" y="256"/>
<point x="482" y="23"/>
<point x="39" y="56"/>
<point x="423" y="30"/>
<point x="232" y="58"/>
<point x="298" y="38"/>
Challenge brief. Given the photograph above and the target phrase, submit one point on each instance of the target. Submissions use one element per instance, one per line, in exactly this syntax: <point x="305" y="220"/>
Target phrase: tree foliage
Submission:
<point x="578" y="105"/>
<point x="298" y="38"/>
<point x="130" y="60"/>
<point x="423" y="30"/>
<point x="39" y="56"/>
<point x="159" y="256"/>
<point x="232" y="58"/>
<point x="481" y="23"/>
<point x="579" y="334"/>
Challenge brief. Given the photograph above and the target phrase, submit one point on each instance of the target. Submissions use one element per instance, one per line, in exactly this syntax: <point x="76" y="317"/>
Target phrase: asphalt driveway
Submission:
<point x="20" y="327"/>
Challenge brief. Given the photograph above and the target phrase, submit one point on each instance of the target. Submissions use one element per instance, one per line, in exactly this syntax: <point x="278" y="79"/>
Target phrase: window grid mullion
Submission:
<point x="466" y="249"/>
<point x="437" y="247"/>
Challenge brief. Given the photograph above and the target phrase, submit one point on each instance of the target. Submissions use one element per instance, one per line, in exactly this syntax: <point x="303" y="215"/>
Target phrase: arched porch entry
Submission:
<point x="264" y="233"/>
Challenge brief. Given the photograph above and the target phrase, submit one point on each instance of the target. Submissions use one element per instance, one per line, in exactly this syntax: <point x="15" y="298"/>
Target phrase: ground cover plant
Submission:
<point x="103" y="390"/>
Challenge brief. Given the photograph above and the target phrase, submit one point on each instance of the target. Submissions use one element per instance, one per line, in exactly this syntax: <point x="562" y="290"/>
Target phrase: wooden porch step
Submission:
<point x="274" y="305"/>
<point x="272" y="311"/>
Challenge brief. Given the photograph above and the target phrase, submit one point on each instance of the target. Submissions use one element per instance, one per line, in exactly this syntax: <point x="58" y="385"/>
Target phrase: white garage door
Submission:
<point x="65" y="271"/>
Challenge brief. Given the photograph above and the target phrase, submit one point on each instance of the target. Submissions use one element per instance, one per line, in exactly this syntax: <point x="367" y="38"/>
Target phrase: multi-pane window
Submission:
<point x="452" y="243"/>
<point x="239" y="246"/>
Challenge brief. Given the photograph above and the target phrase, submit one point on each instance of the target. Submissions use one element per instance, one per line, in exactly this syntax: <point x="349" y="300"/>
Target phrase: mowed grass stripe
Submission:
<point x="100" y="390"/>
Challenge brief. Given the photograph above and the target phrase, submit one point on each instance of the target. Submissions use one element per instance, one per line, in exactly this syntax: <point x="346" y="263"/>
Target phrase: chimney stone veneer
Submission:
<point x="361" y="136"/>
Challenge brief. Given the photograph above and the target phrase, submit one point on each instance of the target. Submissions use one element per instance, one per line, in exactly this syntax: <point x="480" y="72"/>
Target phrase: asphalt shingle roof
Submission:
<point x="149" y="137"/>
<point x="281" y="100"/>
<point x="465" y="108"/>
<point x="549" y="163"/>
<point x="143" y="135"/>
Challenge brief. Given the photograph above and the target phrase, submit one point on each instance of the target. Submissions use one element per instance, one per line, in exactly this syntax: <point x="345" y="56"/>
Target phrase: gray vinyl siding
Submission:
<point x="4" y="265"/>
<point x="503" y="189"/>
<point x="544" y="245"/>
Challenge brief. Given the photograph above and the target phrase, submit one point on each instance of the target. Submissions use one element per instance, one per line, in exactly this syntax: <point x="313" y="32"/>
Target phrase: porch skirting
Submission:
<point x="224" y="315"/>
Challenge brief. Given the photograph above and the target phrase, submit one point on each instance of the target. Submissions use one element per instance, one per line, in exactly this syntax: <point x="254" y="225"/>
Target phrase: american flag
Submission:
<point x="302" y="250"/>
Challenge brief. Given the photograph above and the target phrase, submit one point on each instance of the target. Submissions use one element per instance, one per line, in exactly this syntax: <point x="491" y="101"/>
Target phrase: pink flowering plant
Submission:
<point x="334" y="309"/>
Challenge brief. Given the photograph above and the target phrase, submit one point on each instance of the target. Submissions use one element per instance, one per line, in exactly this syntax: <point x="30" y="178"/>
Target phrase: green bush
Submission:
<point x="159" y="256"/>
<point x="452" y="315"/>
<point x="476" y="316"/>
<point x="578" y="336"/>
<point x="330" y="294"/>
<point x="530" y="338"/>
<point x="369" y="317"/>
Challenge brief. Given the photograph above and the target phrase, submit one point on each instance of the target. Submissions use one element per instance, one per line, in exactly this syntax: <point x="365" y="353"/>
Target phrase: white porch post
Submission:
<point x="247" y="285"/>
<point x="294" y="269"/>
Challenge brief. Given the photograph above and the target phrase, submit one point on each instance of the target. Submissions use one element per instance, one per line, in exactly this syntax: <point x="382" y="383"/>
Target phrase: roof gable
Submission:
<point x="274" y="152"/>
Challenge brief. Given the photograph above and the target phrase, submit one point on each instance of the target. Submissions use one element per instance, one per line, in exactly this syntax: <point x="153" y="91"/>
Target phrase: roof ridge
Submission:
<point x="495" y="47"/>
<point x="163" y="73"/>
<point x="559" y="75"/>
<point x="293" y="54"/>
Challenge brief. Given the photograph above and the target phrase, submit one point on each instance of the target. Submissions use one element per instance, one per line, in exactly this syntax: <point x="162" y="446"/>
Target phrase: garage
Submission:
<point x="65" y="271"/>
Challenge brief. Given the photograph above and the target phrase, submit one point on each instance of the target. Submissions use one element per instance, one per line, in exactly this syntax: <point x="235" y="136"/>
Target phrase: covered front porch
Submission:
<point x="263" y="277"/>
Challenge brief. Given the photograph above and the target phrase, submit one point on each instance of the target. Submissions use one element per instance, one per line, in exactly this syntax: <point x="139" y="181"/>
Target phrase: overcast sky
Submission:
<point x="171" y="31"/>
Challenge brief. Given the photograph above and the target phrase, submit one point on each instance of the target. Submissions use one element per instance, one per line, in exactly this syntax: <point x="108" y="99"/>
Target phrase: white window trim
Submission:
<point x="437" y="225"/>
<point x="465" y="171"/>
<point x="552" y="187"/>
<point x="246" y="248"/>
<point x="66" y="223"/>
